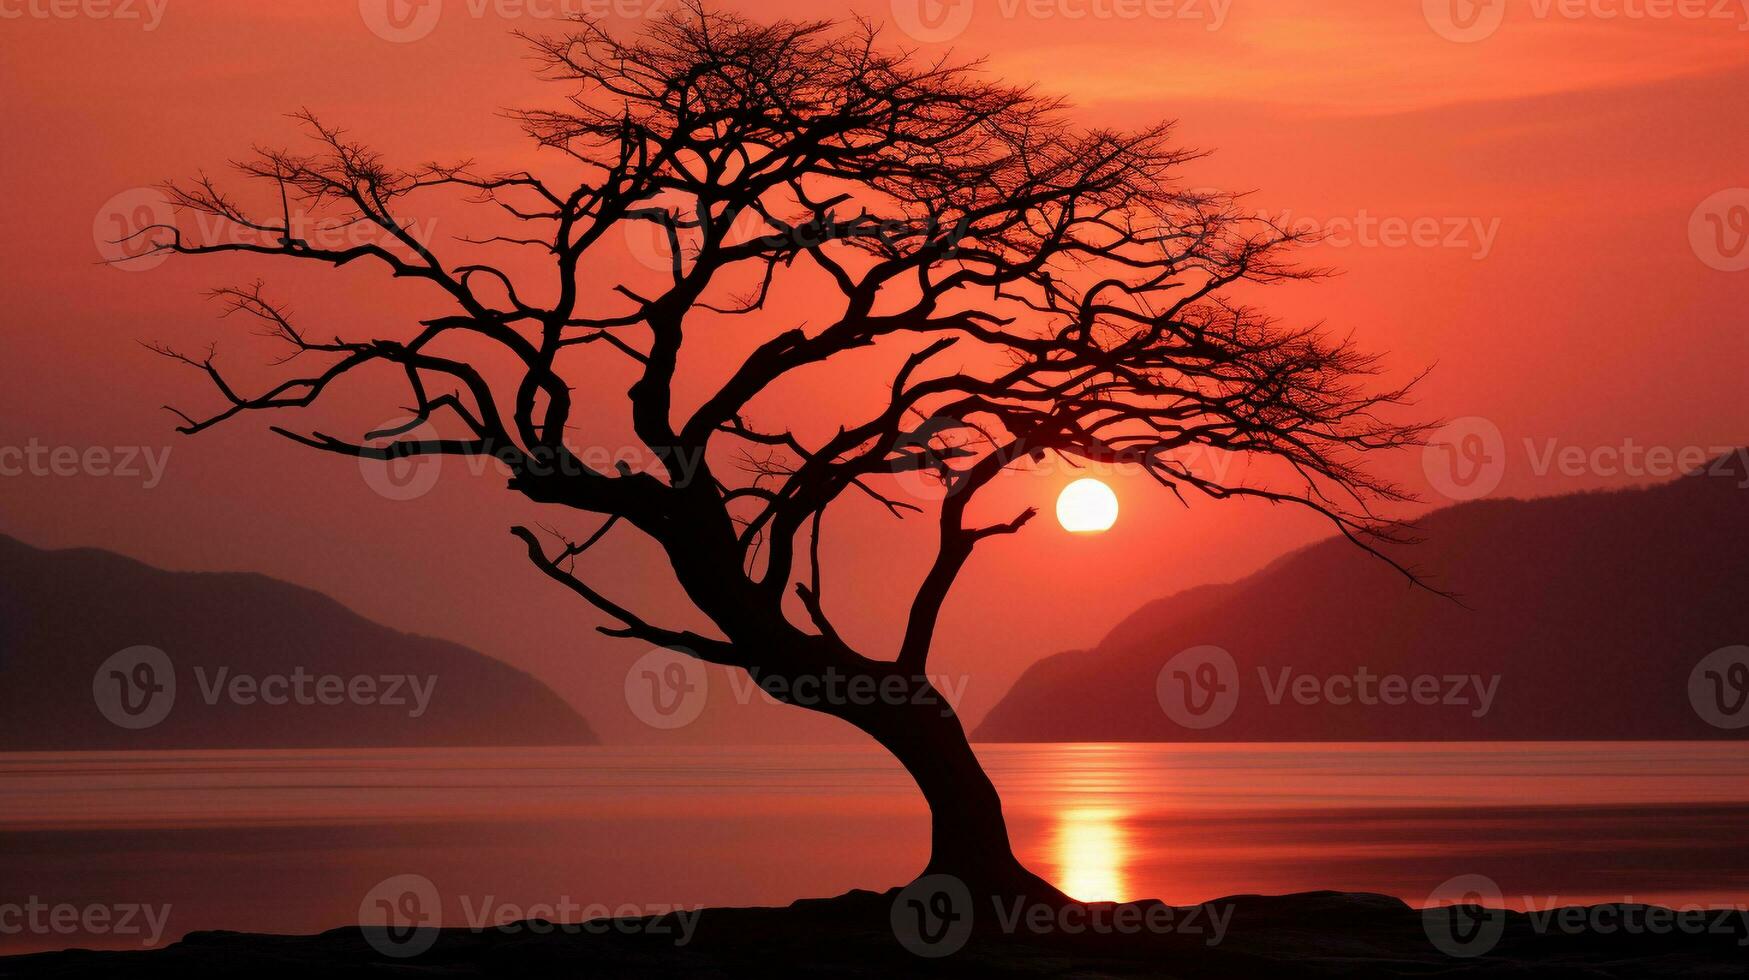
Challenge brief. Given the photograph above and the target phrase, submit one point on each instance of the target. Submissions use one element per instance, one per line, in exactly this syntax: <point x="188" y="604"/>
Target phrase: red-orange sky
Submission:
<point x="1563" y="298"/>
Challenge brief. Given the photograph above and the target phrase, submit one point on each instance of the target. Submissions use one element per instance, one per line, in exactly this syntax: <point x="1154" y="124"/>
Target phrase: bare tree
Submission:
<point x="1086" y="293"/>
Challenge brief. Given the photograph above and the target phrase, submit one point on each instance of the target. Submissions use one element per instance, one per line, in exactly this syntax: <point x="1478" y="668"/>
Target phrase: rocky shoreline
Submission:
<point x="868" y="934"/>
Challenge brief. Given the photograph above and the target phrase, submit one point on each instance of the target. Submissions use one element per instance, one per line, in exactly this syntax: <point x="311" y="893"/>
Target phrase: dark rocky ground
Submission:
<point x="1321" y="934"/>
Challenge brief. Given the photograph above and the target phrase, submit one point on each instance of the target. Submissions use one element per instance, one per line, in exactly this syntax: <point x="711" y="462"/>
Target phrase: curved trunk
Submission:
<point x="968" y="834"/>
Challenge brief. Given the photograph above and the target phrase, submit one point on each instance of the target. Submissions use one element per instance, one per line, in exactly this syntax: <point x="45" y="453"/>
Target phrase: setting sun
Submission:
<point x="1086" y="506"/>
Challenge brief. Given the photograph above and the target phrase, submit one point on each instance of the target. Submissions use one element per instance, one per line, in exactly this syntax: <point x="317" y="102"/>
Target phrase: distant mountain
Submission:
<point x="1582" y="617"/>
<point x="98" y="651"/>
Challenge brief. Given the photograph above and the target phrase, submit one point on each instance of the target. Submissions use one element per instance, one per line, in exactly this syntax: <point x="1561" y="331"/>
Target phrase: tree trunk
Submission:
<point x="968" y="834"/>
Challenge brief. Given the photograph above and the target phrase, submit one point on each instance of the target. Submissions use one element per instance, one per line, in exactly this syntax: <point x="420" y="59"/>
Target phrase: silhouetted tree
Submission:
<point x="1085" y="293"/>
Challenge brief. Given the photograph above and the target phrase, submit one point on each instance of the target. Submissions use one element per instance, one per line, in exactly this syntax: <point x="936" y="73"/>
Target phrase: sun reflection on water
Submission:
<point x="1092" y="852"/>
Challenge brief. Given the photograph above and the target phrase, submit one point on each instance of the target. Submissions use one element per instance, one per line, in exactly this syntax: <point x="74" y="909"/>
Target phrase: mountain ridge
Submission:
<point x="257" y="663"/>
<point x="1626" y="588"/>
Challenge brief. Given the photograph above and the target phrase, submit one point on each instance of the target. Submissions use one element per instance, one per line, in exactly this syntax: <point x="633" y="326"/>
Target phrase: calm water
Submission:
<point x="291" y="841"/>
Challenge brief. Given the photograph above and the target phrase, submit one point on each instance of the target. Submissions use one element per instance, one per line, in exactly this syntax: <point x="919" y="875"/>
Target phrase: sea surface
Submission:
<point x="296" y="841"/>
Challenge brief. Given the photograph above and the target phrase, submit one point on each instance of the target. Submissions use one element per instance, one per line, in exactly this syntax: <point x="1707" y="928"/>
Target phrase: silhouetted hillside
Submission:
<point x="1312" y="934"/>
<point x="1587" y="614"/>
<point x="236" y="643"/>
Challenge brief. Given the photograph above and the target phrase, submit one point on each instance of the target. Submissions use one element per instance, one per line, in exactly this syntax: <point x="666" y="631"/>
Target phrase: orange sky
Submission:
<point x="1551" y="171"/>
